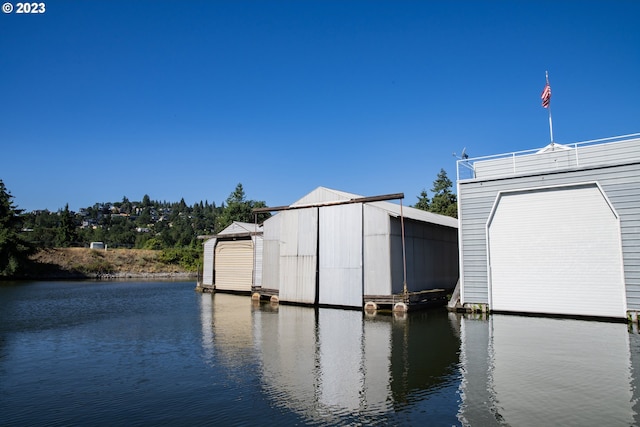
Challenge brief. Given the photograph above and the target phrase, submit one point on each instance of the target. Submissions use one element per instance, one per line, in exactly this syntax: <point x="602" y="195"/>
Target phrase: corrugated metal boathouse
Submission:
<point x="553" y="231"/>
<point x="233" y="259"/>
<point x="341" y="249"/>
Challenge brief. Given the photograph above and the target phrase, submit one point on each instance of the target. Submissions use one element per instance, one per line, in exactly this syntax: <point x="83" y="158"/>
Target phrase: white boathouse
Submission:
<point x="341" y="249"/>
<point x="552" y="231"/>
<point x="233" y="259"/>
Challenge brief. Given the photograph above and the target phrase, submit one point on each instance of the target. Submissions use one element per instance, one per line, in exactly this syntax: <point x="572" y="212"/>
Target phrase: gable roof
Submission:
<point x="237" y="227"/>
<point x="393" y="209"/>
<point x="325" y="195"/>
<point x="328" y="195"/>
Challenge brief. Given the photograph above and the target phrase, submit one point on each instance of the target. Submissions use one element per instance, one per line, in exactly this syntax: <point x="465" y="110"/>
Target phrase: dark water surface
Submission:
<point x="159" y="353"/>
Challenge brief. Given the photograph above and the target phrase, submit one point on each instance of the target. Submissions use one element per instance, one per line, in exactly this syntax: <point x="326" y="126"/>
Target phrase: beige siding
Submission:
<point x="234" y="265"/>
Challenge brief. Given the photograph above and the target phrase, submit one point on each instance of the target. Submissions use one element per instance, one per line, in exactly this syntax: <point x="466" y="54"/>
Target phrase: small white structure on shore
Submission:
<point x="342" y="249"/>
<point x="233" y="258"/>
<point x="97" y="245"/>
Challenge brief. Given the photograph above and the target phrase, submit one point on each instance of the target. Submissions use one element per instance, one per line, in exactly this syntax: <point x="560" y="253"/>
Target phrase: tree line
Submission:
<point x="146" y="224"/>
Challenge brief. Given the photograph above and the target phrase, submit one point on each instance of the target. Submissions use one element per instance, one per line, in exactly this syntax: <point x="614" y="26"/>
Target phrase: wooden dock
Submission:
<point x="201" y="287"/>
<point x="395" y="302"/>
<point x="408" y="301"/>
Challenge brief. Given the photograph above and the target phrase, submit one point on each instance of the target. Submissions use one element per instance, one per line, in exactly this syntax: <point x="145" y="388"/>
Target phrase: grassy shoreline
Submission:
<point x="83" y="263"/>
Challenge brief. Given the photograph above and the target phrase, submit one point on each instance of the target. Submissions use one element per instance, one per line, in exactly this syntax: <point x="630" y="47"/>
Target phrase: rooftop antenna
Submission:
<point x="463" y="155"/>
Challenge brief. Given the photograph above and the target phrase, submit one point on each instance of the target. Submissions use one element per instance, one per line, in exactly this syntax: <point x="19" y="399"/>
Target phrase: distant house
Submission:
<point x="554" y="230"/>
<point x="337" y="248"/>
<point x="233" y="258"/>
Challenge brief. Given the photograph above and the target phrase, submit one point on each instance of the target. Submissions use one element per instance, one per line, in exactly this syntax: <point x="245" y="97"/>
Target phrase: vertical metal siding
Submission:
<point x="298" y="255"/>
<point x="340" y="261"/>
<point x="621" y="185"/>
<point x="556" y="251"/>
<point x="395" y="252"/>
<point x="258" y="242"/>
<point x="377" y="251"/>
<point x="432" y="256"/>
<point x="271" y="253"/>
<point x="207" y="262"/>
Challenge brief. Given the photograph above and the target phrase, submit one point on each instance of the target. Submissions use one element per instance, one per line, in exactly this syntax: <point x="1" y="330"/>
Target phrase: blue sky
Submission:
<point x="186" y="99"/>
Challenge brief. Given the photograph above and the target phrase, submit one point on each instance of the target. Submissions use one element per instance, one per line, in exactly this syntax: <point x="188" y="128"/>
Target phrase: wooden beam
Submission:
<point x="381" y="198"/>
<point x="230" y="236"/>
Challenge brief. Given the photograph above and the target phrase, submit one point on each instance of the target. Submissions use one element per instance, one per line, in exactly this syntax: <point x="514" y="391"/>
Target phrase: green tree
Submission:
<point x="444" y="201"/>
<point x="14" y="250"/>
<point x="66" y="234"/>
<point x="239" y="209"/>
<point x="423" y="201"/>
<point x="144" y="219"/>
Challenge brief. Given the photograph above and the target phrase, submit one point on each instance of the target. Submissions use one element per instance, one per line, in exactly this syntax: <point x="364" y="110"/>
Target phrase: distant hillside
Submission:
<point x="113" y="263"/>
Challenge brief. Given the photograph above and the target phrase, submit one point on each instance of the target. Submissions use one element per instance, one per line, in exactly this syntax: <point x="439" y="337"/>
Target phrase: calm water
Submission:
<point x="158" y="353"/>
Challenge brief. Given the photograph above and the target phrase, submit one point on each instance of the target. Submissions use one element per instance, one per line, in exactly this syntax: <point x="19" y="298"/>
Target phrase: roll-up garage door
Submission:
<point x="234" y="265"/>
<point x="557" y="251"/>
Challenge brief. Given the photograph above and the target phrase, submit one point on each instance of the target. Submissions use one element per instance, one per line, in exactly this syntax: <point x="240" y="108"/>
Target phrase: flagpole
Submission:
<point x="549" y="108"/>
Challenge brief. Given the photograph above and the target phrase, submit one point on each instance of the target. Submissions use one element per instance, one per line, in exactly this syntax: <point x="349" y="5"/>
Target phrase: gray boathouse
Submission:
<point x="341" y="249"/>
<point x="552" y="231"/>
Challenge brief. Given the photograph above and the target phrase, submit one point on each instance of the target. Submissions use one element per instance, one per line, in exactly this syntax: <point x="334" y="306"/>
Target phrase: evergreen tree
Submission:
<point x="423" y="201"/>
<point x="125" y="206"/>
<point x="238" y="208"/>
<point x="14" y="250"/>
<point x="66" y="235"/>
<point x="444" y="201"/>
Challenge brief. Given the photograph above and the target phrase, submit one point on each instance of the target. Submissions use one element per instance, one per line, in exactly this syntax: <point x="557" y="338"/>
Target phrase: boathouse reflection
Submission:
<point x="227" y="328"/>
<point x="332" y="365"/>
<point x="542" y="371"/>
<point x="325" y="363"/>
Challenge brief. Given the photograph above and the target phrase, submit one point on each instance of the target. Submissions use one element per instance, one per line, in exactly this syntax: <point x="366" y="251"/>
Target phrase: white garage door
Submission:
<point x="556" y="251"/>
<point x="234" y="265"/>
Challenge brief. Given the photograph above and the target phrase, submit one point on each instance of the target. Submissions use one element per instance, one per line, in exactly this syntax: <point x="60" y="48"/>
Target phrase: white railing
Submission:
<point x="557" y="156"/>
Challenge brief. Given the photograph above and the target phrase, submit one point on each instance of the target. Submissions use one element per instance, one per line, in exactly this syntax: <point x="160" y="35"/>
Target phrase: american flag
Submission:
<point x="546" y="95"/>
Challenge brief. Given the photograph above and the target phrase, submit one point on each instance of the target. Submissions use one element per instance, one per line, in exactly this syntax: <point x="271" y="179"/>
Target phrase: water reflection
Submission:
<point x="227" y="328"/>
<point x="330" y="364"/>
<point x="538" y="371"/>
<point x="336" y="366"/>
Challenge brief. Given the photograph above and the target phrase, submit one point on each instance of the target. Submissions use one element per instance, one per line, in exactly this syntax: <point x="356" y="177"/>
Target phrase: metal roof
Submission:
<point x="241" y="227"/>
<point x="326" y="195"/>
<point x="323" y="195"/>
